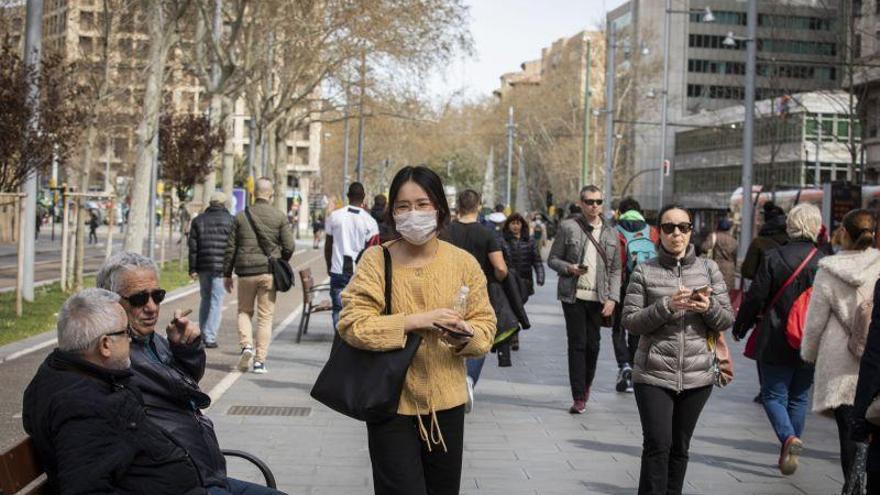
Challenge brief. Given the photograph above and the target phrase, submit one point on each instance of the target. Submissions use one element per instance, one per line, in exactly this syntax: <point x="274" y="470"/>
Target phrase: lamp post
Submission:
<point x="585" y="169"/>
<point x="708" y="16"/>
<point x="745" y="237"/>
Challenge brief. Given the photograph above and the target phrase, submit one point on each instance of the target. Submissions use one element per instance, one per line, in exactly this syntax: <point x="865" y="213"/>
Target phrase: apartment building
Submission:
<point x="865" y="64"/>
<point x="799" y="49"/>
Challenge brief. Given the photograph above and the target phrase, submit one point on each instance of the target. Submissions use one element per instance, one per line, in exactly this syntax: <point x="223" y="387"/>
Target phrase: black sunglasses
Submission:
<point x="592" y="202"/>
<point x="140" y="299"/>
<point x="669" y="228"/>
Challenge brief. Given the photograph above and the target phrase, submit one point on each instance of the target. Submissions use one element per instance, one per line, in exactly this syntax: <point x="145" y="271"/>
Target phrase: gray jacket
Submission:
<point x="568" y="249"/>
<point x="673" y="352"/>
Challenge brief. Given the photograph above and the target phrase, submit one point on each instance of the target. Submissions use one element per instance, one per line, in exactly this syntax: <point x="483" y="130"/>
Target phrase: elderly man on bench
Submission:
<point x="86" y="419"/>
<point x="167" y="370"/>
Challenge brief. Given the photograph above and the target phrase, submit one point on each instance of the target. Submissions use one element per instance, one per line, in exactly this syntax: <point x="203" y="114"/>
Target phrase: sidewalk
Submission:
<point x="520" y="438"/>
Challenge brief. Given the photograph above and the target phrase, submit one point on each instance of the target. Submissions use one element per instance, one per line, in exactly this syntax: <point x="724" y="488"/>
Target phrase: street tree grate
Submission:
<point x="268" y="411"/>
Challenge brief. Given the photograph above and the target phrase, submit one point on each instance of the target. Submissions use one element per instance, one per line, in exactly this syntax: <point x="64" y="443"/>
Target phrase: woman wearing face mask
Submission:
<point x="675" y="302"/>
<point x="420" y="450"/>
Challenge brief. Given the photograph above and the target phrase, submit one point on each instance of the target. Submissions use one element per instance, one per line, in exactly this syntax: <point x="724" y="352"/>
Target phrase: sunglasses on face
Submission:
<point x="592" y="202"/>
<point x="140" y="298"/>
<point x="669" y="228"/>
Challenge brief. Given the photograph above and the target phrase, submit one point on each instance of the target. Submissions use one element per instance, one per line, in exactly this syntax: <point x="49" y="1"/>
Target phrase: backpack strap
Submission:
<point x="791" y="279"/>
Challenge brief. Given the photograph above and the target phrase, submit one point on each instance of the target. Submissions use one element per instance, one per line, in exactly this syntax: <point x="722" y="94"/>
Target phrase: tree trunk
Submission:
<point x="81" y="212"/>
<point x="228" y="150"/>
<point x="281" y="159"/>
<point x="147" y="129"/>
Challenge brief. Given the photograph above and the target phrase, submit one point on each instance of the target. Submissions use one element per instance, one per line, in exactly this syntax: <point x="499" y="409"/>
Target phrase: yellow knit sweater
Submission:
<point x="436" y="378"/>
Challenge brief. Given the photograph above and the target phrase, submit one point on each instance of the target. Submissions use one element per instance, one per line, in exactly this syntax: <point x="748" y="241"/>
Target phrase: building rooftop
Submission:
<point x="831" y="101"/>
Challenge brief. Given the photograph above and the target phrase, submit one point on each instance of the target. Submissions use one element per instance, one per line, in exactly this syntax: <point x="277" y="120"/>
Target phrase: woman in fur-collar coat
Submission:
<point x="831" y="339"/>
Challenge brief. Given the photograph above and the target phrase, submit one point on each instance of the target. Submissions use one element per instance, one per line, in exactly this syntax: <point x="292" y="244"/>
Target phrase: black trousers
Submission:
<point x="668" y="422"/>
<point x="843" y="415"/>
<point x="583" y="319"/>
<point x="625" y="343"/>
<point x="401" y="462"/>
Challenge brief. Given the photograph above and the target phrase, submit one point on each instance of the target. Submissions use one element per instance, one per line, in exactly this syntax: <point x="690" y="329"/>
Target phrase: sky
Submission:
<point x="507" y="33"/>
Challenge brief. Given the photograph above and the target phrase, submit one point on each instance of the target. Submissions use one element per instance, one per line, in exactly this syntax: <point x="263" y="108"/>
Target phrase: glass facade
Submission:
<point x="768" y="45"/>
<point x="701" y="66"/>
<point x="777" y="21"/>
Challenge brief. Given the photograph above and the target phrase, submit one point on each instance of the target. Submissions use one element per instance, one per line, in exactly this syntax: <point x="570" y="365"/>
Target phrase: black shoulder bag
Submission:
<point x="366" y="385"/>
<point x="282" y="273"/>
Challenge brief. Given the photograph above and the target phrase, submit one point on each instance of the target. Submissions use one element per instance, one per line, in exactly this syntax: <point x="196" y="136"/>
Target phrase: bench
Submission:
<point x="310" y="289"/>
<point x="21" y="474"/>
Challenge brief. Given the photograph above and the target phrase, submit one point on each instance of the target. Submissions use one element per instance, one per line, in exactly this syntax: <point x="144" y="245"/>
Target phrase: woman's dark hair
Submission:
<point x="516" y="217"/>
<point x="428" y="180"/>
<point x="671" y="207"/>
<point x="861" y="227"/>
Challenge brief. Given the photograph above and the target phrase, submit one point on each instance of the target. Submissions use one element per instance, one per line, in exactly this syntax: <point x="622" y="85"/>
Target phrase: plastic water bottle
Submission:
<point x="460" y="303"/>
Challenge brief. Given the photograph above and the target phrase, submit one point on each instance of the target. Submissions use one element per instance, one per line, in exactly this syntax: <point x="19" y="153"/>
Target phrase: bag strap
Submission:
<point x="582" y="222"/>
<point x="791" y="279"/>
<point x="387" y="256"/>
<point x="260" y="240"/>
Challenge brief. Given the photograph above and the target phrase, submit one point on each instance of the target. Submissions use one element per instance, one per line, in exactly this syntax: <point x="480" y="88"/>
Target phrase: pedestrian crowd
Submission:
<point x="422" y="291"/>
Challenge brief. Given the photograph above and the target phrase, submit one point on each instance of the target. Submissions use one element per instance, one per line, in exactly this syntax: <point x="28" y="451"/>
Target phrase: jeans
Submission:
<point x="238" y="487"/>
<point x="625" y="344"/>
<point x="582" y="322"/>
<point x="785" y="391"/>
<point x="402" y="463"/>
<point x="211" y="305"/>
<point x="475" y="368"/>
<point x="668" y="421"/>
<point x="338" y="282"/>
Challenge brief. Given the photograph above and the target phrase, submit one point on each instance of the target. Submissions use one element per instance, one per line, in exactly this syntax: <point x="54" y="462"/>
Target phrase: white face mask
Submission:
<point x="417" y="227"/>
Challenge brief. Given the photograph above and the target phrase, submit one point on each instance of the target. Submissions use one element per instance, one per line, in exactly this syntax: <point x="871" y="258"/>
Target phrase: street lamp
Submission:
<point x="731" y="40"/>
<point x="708" y="16"/>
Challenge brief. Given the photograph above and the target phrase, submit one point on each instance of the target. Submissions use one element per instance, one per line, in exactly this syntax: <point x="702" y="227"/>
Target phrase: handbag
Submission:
<point x="722" y="361"/>
<point x="872" y="414"/>
<point x="366" y="385"/>
<point x="282" y="273"/>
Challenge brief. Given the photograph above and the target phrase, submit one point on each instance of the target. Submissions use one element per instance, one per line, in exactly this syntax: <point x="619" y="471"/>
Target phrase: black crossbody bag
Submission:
<point x="366" y="385"/>
<point x="282" y="273"/>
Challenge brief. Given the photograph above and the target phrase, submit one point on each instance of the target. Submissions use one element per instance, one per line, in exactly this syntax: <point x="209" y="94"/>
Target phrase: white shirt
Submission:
<point x="351" y="228"/>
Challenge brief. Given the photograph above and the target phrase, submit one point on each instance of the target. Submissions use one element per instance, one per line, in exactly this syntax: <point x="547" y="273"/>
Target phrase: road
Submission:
<point x="47" y="265"/>
<point x="16" y="374"/>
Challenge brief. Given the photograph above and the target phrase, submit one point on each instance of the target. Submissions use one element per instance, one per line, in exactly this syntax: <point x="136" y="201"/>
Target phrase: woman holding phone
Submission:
<point x="675" y="302"/>
<point x="419" y="451"/>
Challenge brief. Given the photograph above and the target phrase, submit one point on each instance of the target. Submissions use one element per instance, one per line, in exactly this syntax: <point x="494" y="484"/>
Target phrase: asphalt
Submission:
<point x="520" y="438"/>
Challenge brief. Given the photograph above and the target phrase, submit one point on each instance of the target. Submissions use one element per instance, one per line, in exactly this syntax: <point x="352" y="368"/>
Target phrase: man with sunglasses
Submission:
<point x="168" y="370"/>
<point x="586" y="257"/>
<point x="86" y="418"/>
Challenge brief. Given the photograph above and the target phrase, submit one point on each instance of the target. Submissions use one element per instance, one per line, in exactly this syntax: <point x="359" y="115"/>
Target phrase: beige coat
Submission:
<point x="839" y="279"/>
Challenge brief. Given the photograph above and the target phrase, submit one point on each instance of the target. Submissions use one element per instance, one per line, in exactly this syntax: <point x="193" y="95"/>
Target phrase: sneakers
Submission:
<point x="628" y="376"/>
<point x="244" y="362"/>
<point x="759" y="399"/>
<point x="578" y="407"/>
<point x="620" y="385"/>
<point x="260" y="368"/>
<point x="788" y="458"/>
<point x="469" y="405"/>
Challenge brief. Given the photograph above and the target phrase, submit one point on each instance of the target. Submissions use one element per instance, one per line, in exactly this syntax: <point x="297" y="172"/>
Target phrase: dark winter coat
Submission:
<point x="868" y="387"/>
<point x="523" y="257"/>
<point x="772" y="346"/>
<point x="168" y="376"/>
<point x="673" y="352"/>
<point x="207" y="240"/>
<point x="386" y="233"/>
<point x="771" y="236"/>
<point x="243" y="253"/>
<point x="92" y="435"/>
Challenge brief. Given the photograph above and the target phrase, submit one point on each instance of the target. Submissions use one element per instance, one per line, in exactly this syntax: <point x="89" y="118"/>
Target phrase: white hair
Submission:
<point x="86" y="316"/>
<point x="110" y="275"/>
<point x="804" y="222"/>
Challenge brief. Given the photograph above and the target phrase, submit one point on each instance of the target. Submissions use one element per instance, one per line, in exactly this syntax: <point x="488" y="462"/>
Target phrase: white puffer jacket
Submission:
<point x="839" y="281"/>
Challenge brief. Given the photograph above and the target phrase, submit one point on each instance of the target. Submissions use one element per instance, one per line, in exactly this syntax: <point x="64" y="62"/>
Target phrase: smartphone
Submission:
<point x="583" y="267"/>
<point x="452" y="331"/>
<point x="704" y="290"/>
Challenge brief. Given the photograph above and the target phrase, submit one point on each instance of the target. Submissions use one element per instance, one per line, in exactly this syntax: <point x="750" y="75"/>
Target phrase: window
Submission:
<point x="857" y="45"/>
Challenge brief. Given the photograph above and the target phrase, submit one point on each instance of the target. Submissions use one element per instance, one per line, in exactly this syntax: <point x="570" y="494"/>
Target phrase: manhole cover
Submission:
<point x="268" y="411"/>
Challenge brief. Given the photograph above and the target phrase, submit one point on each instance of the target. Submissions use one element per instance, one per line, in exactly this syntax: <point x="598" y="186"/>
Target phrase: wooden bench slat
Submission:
<point x="19" y="466"/>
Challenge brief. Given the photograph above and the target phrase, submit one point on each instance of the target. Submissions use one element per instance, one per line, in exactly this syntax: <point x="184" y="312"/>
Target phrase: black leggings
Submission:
<point x="582" y="322"/>
<point x="843" y="415"/>
<point x="668" y="422"/>
<point x="402" y="464"/>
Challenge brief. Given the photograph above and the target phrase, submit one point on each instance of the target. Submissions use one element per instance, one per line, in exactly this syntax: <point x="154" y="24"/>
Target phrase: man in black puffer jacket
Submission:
<point x="207" y="246"/>
<point x="85" y="417"/>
